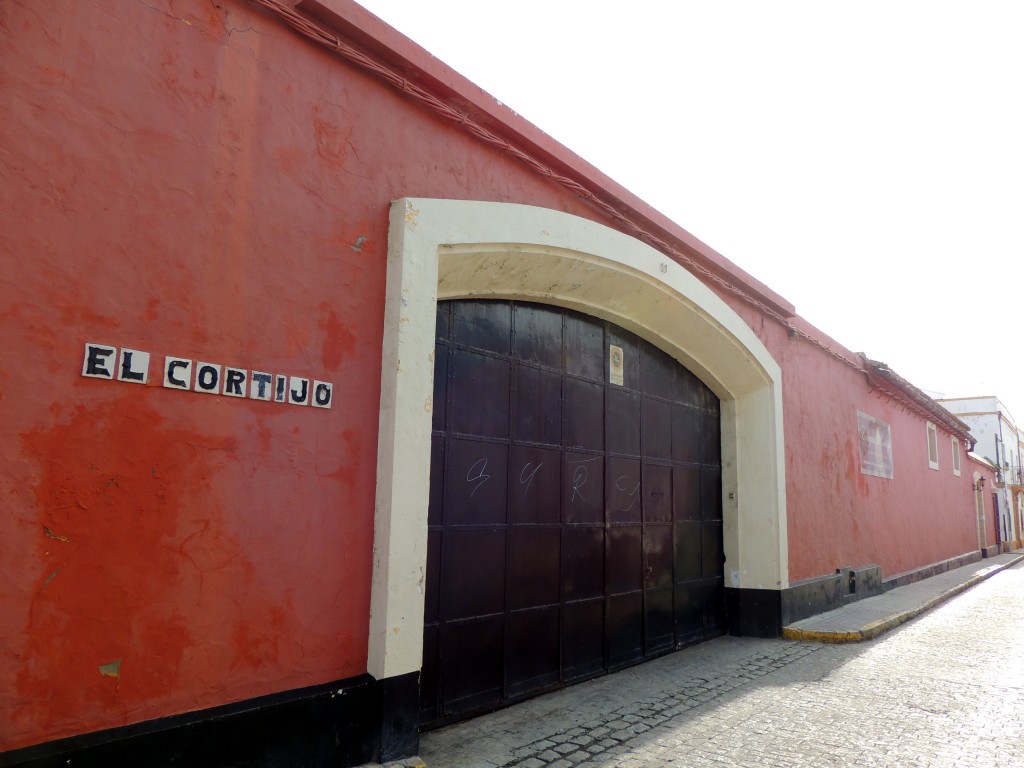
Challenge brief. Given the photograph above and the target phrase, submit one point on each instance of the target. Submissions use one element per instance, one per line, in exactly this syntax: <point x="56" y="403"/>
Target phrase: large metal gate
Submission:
<point x="575" y="522"/>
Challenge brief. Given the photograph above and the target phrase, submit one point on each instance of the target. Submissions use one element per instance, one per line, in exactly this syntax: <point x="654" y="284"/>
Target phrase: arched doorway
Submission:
<point x="450" y="249"/>
<point x="575" y="521"/>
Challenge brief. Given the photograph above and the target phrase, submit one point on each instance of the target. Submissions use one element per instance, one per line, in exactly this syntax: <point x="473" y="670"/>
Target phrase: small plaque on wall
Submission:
<point x="616" y="365"/>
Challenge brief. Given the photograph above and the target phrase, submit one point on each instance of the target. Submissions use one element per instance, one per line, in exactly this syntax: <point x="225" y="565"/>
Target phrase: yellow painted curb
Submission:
<point x="876" y="628"/>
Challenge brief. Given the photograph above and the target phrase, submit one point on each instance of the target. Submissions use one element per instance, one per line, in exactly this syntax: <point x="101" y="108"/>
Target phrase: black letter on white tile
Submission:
<point x="322" y="393"/>
<point x="260" y="387"/>
<point x="299" y="396"/>
<point x="172" y="378"/>
<point x="134" y="366"/>
<point x="95" y="364"/>
<point x="234" y="381"/>
<point x="208" y="378"/>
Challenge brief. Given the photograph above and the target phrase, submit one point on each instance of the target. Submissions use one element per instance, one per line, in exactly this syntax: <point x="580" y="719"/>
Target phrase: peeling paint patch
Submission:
<point x="113" y="669"/>
<point x="358" y="244"/>
<point x="53" y="535"/>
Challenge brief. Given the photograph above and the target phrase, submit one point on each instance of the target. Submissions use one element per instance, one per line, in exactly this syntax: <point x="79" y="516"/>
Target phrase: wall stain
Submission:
<point x="128" y="558"/>
<point x="339" y="339"/>
<point x="348" y="471"/>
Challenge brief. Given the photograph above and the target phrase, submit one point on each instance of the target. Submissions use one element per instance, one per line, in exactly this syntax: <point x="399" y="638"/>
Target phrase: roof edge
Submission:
<point x="387" y="44"/>
<point x="881" y="376"/>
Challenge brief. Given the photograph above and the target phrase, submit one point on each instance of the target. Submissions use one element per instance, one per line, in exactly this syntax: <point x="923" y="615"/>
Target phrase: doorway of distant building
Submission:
<point x="575" y="515"/>
<point x="997" y="516"/>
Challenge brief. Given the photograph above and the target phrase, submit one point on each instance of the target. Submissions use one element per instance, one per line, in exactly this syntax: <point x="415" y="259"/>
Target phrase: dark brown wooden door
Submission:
<point x="575" y="523"/>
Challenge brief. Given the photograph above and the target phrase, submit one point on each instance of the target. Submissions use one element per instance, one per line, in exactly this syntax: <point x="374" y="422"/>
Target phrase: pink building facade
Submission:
<point x="298" y="319"/>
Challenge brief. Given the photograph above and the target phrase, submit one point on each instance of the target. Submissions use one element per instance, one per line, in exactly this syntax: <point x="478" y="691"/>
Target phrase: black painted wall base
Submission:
<point x="346" y="723"/>
<point x="825" y="593"/>
<point x="764" y="612"/>
<point x="753" y="612"/>
<point x="902" y="579"/>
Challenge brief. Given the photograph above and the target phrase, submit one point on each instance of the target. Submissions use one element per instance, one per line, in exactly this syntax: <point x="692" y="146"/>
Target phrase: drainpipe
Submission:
<point x="1000" y="522"/>
<point x="1010" y="532"/>
<point x="1020" y="469"/>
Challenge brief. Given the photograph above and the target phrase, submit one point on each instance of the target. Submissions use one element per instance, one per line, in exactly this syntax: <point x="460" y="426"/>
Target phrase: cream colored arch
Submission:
<point x="446" y="249"/>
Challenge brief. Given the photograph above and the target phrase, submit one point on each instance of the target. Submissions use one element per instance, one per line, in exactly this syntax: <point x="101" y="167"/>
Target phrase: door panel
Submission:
<point x="480" y="392"/>
<point x="659" y="621"/>
<point x="583" y="562"/>
<point x="658" y="556"/>
<point x="582" y="647"/>
<point x="471" y="674"/>
<point x="537" y="406"/>
<point x="535" y="485"/>
<point x="538" y="336"/>
<point x="584" y="414"/>
<point x="624" y="632"/>
<point x="472" y="573"/>
<point x="534" y="642"/>
<point x="575" y="523"/>
<point x="623" y="422"/>
<point x="584" y="347"/>
<point x="583" y="488"/>
<point x="624" y="493"/>
<point x="657" y="429"/>
<point x="485" y="325"/>
<point x="534" y="566"/>
<point x="657" y="498"/>
<point x="477" y="484"/>
<point x="625" y="559"/>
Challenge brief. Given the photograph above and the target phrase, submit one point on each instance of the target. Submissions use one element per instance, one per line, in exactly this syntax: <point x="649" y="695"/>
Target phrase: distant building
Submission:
<point x="1000" y="441"/>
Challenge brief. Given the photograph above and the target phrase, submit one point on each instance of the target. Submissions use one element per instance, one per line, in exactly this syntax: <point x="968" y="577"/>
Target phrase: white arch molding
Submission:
<point x="448" y="249"/>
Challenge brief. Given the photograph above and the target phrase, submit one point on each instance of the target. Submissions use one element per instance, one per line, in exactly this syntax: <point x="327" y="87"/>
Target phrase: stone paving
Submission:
<point x="946" y="690"/>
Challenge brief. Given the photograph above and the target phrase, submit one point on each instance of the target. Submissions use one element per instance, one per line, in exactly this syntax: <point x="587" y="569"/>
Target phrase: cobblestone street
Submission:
<point x="944" y="690"/>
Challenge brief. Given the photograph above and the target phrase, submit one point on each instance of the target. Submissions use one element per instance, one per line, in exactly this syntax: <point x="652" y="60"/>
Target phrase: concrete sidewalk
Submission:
<point x="871" y="617"/>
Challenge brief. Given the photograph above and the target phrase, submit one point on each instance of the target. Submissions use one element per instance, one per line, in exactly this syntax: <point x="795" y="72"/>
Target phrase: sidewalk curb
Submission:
<point x="884" y="625"/>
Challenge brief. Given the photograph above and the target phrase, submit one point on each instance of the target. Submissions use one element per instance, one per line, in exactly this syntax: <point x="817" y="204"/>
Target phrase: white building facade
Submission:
<point x="1001" y="442"/>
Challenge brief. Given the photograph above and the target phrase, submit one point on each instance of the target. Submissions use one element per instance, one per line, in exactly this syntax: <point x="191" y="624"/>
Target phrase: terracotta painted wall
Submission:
<point x="839" y="516"/>
<point x="166" y="551"/>
<point x="192" y="178"/>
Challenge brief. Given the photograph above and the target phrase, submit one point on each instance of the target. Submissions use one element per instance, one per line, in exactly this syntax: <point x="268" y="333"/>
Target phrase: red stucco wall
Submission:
<point x="165" y="195"/>
<point x="194" y="179"/>
<point x="839" y="516"/>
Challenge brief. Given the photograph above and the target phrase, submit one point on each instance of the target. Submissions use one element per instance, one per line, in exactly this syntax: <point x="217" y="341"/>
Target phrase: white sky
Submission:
<point x="864" y="160"/>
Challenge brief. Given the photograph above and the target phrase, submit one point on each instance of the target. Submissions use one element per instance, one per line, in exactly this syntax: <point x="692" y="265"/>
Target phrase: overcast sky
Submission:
<point x="864" y="160"/>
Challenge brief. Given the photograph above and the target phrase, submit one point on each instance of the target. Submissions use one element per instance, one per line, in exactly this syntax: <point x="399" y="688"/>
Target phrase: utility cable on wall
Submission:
<point x="326" y="38"/>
